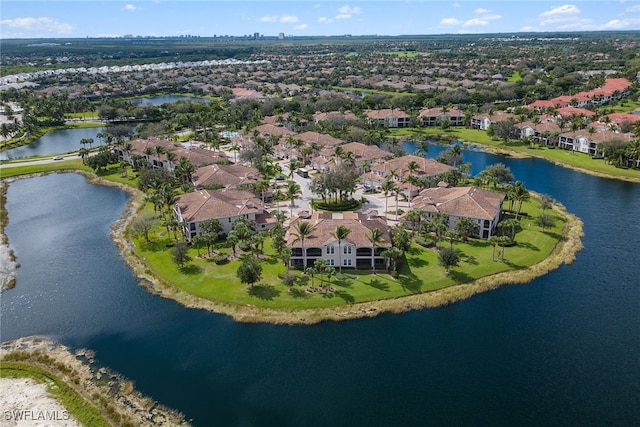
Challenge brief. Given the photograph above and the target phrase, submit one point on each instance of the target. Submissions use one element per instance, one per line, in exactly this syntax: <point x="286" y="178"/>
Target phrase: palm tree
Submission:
<point x="340" y="234"/>
<point x="375" y="237"/>
<point x="184" y="170"/>
<point x="452" y="235"/>
<point x="171" y="157"/>
<point x="415" y="217"/>
<point x="388" y="187"/>
<point x="168" y="197"/>
<point x="277" y="195"/>
<point x="503" y="241"/>
<point x="148" y="152"/>
<point x="466" y="227"/>
<point x="292" y="192"/>
<point x="412" y="167"/>
<point x="235" y="148"/>
<point x="83" y="153"/>
<point x="510" y="223"/>
<point x="494" y="242"/>
<point x="422" y="148"/>
<point x="158" y="150"/>
<point x="520" y="194"/>
<point x="303" y="230"/>
<point x="311" y="272"/>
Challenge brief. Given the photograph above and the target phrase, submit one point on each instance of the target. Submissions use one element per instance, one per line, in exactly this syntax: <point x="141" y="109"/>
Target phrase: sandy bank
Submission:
<point x="27" y="403"/>
<point x="106" y="390"/>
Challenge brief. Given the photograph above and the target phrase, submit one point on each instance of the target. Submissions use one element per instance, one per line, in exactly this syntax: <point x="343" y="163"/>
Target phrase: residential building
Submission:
<point x="154" y="150"/>
<point x="435" y="116"/>
<point x="483" y="121"/>
<point x="225" y="176"/>
<point x="481" y="206"/>
<point x="397" y="170"/>
<point x="356" y="250"/>
<point x="391" y="118"/>
<point x="227" y="206"/>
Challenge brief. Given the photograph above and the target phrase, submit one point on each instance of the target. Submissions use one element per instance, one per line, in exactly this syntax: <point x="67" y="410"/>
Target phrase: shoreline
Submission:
<point x="517" y="154"/>
<point x="114" y="396"/>
<point x="563" y="253"/>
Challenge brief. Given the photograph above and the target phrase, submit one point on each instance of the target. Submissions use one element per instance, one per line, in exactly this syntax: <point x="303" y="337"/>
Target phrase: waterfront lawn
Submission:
<point x="419" y="272"/>
<point x="559" y="156"/>
<point x="62" y="165"/>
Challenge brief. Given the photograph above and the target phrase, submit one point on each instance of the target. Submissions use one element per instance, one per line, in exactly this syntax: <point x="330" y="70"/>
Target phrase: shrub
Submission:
<point x="289" y="279"/>
<point x="427" y="242"/>
<point x="347" y="205"/>
<point x="221" y="259"/>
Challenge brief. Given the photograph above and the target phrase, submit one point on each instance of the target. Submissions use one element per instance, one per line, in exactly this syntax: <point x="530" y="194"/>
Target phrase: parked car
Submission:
<point x="58" y="158"/>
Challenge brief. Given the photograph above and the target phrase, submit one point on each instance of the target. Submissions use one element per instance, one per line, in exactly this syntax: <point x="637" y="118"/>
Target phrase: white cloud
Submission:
<point x="130" y="8"/>
<point x="491" y="17"/>
<point x="564" y="10"/>
<point x="456" y="5"/>
<point x="41" y="24"/>
<point x="301" y="27"/>
<point x="449" y="21"/>
<point x="481" y="10"/>
<point x="635" y="8"/>
<point x="528" y="28"/>
<point x="577" y="25"/>
<point x="268" y="19"/>
<point x="344" y="12"/>
<point x="565" y="18"/>
<point x="288" y="19"/>
<point x="475" y="22"/>
<point x="348" y="10"/>
<point x="285" y="19"/>
<point x="621" y="24"/>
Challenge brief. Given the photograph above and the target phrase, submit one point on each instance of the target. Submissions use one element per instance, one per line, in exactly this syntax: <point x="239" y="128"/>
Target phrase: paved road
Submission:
<point x="38" y="162"/>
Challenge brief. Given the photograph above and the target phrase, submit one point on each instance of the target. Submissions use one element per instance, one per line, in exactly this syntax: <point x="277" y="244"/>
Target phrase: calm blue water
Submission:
<point x="55" y="142"/>
<point x="562" y="350"/>
<point x="167" y="99"/>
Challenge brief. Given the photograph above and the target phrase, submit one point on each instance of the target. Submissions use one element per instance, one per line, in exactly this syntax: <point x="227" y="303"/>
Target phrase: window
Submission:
<point x="346" y="250"/>
<point x="346" y="262"/>
<point x="332" y="262"/>
<point x="331" y="250"/>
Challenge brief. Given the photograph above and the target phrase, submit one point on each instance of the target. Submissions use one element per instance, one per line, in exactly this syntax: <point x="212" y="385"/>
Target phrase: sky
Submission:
<point x="205" y="18"/>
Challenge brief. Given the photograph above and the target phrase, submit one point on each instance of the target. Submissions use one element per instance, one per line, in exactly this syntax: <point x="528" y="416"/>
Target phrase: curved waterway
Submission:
<point x="58" y="141"/>
<point x="562" y="350"/>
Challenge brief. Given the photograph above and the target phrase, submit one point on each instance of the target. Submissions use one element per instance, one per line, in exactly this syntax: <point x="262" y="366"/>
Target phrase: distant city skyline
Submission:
<point x="79" y="19"/>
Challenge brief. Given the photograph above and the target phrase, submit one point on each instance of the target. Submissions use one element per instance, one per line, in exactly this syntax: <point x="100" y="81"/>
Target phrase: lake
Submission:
<point x="562" y="350"/>
<point x="167" y="99"/>
<point x="59" y="141"/>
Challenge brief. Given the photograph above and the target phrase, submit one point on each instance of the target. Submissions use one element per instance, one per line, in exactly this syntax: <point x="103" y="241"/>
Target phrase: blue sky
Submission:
<point x="87" y="18"/>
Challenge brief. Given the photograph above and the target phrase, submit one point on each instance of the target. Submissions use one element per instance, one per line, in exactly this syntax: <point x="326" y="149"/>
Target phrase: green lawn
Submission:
<point x="515" y="77"/>
<point x="420" y="272"/>
<point x="62" y="165"/>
